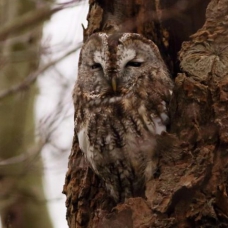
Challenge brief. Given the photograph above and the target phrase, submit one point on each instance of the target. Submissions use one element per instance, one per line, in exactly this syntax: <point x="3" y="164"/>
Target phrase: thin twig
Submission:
<point x="32" y="18"/>
<point x="33" y="76"/>
<point x="27" y="20"/>
<point x="24" y="157"/>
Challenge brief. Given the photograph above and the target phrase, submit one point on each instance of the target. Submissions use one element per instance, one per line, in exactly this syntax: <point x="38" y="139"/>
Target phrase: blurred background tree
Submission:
<point x="22" y="196"/>
<point x="22" y="200"/>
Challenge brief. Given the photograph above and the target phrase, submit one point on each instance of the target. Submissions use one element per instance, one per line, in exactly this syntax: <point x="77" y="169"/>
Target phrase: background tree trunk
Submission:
<point x="22" y="203"/>
<point x="191" y="190"/>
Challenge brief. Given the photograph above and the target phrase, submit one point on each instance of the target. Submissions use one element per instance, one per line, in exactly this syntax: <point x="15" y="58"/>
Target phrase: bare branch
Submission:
<point x="24" y="157"/>
<point x="31" y="18"/>
<point x="33" y="76"/>
<point x="27" y="20"/>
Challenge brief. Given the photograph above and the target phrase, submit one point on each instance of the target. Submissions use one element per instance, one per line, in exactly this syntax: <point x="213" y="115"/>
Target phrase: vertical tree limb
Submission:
<point x="191" y="190"/>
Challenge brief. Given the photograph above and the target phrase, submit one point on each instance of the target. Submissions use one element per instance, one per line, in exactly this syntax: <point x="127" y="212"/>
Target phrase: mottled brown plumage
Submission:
<point x="120" y="98"/>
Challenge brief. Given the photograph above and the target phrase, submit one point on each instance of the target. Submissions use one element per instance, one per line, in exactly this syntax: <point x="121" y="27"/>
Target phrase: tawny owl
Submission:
<point x="120" y="99"/>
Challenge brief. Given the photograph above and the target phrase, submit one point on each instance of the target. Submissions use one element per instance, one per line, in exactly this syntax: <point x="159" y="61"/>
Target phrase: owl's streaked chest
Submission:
<point x="106" y="139"/>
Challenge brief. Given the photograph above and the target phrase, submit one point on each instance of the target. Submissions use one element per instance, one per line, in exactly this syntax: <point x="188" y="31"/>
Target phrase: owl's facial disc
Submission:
<point x="115" y="68"/>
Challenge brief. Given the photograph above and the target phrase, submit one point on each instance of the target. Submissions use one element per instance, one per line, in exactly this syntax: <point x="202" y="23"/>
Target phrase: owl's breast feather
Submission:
<point x="85" y="146"/>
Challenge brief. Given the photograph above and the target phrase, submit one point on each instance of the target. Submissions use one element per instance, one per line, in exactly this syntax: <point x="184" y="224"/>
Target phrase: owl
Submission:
<point x="120" y="98"/>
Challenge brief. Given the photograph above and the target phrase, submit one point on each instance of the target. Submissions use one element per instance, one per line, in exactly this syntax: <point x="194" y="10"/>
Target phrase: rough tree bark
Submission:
<point x="191" y="190"/>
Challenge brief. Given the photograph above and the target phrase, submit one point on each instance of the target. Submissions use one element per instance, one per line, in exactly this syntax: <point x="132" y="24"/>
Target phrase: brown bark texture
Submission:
<point x="191" y="189"/>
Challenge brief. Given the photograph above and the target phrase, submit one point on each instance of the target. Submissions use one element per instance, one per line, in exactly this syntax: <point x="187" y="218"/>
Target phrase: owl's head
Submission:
<point x="119" y="64"/>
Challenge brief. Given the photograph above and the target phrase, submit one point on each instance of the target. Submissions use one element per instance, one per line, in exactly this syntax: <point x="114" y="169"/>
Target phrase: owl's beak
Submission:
<point x="114" y="84"/>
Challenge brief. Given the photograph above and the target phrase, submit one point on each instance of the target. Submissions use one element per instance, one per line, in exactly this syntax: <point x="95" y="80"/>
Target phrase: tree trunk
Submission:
<point x="23" y="203"/>
<point x="191" y="190"/>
